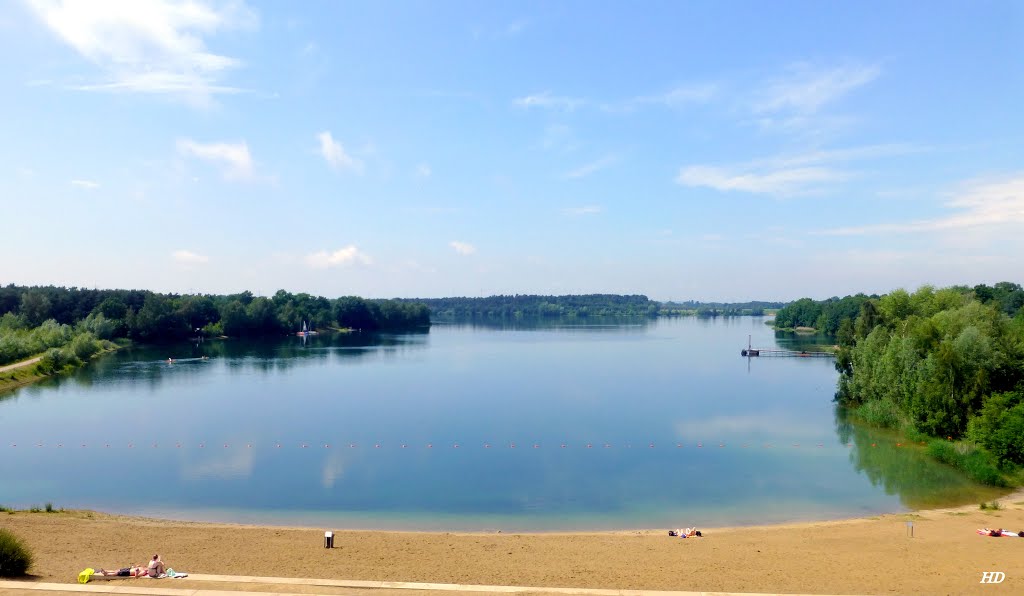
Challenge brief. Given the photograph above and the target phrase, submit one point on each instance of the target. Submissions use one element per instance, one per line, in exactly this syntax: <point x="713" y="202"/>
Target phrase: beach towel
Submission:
<point x="83" y="577"/>
<point x="1004" y="533"/>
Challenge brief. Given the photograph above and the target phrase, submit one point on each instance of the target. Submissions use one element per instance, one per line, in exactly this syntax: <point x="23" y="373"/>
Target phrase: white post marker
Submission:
<point x="328" y="539"/>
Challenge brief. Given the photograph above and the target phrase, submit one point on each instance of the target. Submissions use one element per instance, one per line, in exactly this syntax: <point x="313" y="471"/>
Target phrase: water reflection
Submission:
<point x="286" y="429"/>
<point x="904" y="470"/>
<point x="585" y="324"/>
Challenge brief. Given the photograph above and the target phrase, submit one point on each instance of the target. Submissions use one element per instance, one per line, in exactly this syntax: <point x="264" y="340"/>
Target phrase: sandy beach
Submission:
<point x="872" y="555"/>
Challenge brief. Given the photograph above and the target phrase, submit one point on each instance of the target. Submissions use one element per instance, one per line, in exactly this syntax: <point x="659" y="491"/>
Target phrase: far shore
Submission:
<point x="868" y="555"/>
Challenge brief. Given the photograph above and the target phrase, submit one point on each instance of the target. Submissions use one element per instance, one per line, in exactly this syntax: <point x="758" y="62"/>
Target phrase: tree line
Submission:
<point x="718" y="309"/>
<point x="936" y="363"/>
<point x="34" y="319"/>
<point x="526" y="306"/>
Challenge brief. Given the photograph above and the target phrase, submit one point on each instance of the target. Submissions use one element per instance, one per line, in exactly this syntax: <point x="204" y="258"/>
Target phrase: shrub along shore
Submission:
<point x="942" y="366"/>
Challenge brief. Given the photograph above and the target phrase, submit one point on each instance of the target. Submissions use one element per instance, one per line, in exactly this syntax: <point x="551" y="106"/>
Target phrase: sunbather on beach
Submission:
<point x="685" y="532"/>
<point x="156" y="567"/>
<point x="131" y="571"/>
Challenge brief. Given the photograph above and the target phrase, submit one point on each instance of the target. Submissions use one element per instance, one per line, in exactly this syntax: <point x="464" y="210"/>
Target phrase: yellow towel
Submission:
<point x="84" y="576"/>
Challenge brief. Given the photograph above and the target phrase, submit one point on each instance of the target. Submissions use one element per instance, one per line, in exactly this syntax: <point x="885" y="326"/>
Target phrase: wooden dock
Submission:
<point x="758" y="352"/>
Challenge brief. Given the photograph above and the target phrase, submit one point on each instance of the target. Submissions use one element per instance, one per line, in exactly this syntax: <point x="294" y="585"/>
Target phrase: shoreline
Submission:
<point x="1015" y="497"/>
<point x="858" y="555"/>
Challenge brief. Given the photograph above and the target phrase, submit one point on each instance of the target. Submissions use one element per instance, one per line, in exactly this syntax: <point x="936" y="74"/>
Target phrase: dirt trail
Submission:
<point x="28" y="362"/>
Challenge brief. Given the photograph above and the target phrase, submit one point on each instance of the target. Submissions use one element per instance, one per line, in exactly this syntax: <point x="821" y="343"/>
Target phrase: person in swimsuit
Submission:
<point x="156" y="567"/>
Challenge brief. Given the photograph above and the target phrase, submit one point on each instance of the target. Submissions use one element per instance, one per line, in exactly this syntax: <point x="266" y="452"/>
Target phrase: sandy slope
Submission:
<point x="861" y="556"/>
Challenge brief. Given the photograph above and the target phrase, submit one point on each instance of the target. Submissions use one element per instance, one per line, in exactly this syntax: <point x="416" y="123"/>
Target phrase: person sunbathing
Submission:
<point x="131" y="571"/>
<point x="685" y="533"/>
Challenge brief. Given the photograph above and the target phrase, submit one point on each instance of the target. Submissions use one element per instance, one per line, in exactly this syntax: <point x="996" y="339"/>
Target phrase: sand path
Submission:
<point x="20" y="364"/>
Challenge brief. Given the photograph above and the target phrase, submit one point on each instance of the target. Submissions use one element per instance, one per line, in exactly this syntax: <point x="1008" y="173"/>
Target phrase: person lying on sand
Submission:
<point x="685" y="532"/>
<point x="1000" y="532"/>
<point x="131" y="571"/>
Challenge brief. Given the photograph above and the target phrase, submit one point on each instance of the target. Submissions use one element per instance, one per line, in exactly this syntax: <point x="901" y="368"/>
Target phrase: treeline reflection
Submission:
<point x="152" y="365"/>
<point x="904" y="470"/>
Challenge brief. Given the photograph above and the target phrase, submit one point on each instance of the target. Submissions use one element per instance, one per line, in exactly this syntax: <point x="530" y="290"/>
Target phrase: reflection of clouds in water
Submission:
<point x="749" y="427"/>
<point x="334" y="468"/>
<point x="221" y="463"/>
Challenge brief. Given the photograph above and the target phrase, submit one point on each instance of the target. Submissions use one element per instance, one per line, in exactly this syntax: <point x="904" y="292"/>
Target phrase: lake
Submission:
<point x="520" y="427"/>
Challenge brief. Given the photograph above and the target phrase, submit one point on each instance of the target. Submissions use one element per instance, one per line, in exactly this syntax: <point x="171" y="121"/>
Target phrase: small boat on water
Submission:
<point x="305" y="330"/>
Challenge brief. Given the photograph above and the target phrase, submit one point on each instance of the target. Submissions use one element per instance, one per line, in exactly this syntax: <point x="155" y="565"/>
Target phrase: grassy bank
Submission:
<point x="20" y="376"/>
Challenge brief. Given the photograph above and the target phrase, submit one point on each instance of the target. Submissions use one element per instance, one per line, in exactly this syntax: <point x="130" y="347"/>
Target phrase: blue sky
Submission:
<point x="683" y="150"/>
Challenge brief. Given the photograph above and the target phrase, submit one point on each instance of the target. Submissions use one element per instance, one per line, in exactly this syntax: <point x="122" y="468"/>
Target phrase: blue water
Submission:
<point x="462" y="428"/>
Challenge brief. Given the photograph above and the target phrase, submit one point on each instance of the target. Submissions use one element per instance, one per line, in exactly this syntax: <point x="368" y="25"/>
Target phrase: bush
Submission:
<point x="84" y="346"/>
<point x="54" y="361"/>
<point x="15" y="557"/>
<point x="999" y="426"/>
<point x="882" y="413"/>
<point x="978" y="465"/>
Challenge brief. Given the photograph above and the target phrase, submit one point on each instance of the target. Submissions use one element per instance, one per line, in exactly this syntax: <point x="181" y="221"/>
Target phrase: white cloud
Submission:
<point x="234" y="158"/>
<point x="812" y="172"/>
<point x="343" y="257"/>
<point x="678" y="96"/>
<point x="423" y="170"/>
<point x="590" y="168"/>
<point x="983" y="204"/>
<point x="791" y="181"/>
<point x="335" y="156"/>
<point x="673" y="98"/>
<point x="149" y="46"/>
<point x="548" y="101"/>
<point x="806" y="89"/>
<point x="585" y="210"/>
<point x="462" y="248"/>
<point x="87" y="184"/>
<point x="187" y="257"/>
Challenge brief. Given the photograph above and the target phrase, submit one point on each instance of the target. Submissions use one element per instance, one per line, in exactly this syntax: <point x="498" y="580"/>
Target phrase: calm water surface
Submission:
<point x="663" y="425"/>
